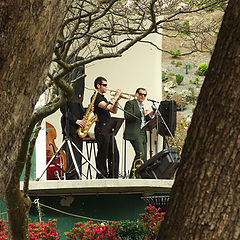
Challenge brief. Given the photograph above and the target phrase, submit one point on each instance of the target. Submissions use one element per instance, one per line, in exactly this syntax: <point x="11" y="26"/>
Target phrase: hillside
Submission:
<point x="186" y="66"/>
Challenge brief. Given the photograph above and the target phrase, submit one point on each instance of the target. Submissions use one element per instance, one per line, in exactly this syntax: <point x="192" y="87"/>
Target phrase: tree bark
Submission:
<point x="28" y="36"/>
<point x="205" y="197"/>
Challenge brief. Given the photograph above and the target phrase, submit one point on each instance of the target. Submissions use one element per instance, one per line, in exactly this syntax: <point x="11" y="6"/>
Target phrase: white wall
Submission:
<point x="138" y="67"/>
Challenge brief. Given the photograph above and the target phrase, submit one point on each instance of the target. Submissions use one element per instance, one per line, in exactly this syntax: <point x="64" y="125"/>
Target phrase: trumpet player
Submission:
<point x="106" y="162"/>
<point x="133" y="125"/>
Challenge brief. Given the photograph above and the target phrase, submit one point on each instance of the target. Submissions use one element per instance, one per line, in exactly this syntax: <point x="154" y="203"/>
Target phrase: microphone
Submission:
<point x="151" y="100"/>
<point x="154" y="108"/>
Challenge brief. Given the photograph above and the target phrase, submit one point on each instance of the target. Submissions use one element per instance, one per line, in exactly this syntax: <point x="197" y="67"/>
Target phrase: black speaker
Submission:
<point x="168" y="110"/>
<point x="79" y="84"/>
<point x="161" y="166"/>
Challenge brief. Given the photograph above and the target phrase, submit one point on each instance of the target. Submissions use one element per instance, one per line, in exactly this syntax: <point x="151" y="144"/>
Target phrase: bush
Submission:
<point x="151" y="222"/>
<point x="202" y="69"/>
<point x="164" y="78"/>
<point x="96" y="231"/>
<point x="145" y="229"/>
<point x="175" y="52"/>
<point x="3" y="230"/>
<point x="36" y="231"/>
<point x="131" y="230"/>
<point x="185" y="28"/>
<point x="179" y="79"/>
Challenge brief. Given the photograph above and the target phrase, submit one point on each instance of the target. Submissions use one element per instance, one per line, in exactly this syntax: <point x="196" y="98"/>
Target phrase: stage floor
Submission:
<point x="100" y="186"/>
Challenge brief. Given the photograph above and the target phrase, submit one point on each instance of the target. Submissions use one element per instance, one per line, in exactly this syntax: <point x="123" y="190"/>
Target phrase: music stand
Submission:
<point x="111" y="128"/>
<point x="125" y="159"/>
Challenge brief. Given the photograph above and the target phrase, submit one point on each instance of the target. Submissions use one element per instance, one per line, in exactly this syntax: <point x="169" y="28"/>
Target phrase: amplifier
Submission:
<point x="161" y="166"/>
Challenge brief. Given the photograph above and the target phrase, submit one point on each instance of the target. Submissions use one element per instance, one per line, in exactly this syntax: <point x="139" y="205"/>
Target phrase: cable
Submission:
<point x="71" y="214"/>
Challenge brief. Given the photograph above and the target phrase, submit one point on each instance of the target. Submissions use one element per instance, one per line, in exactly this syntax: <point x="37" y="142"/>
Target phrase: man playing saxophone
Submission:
<point x="102" y="107"/>
<point x="72" y="115"/>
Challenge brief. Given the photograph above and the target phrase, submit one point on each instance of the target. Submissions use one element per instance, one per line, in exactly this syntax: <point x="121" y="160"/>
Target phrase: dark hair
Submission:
<point x="99" y="80"/>
<point x="137" y="91"/>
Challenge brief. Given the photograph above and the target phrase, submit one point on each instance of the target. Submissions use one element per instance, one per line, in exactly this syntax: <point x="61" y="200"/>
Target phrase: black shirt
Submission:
<point x="74" y="111"/>
<point x="103" y="114"/>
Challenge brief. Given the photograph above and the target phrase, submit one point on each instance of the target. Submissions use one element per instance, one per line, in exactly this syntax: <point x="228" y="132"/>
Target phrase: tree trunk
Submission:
<point x="18" y="210"/>
<point x="205" y="197"/>
<point x="28" y="36"/>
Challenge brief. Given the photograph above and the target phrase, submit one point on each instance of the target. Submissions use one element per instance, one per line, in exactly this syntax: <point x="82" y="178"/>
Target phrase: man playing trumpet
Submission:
<point x="103" y="107"/>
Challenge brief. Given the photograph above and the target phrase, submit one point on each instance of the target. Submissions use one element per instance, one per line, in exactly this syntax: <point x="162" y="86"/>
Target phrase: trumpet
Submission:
<point x="124" y="95"/>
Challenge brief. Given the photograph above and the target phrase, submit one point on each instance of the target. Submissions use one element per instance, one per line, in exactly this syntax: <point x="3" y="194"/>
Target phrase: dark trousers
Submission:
<point x="140" y="148"/>
<point x="107" y="160"/>
<point x="71" y="169"/>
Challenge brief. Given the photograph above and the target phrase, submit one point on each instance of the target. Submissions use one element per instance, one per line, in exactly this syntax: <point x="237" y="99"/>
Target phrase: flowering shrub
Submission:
<point x="37" y="231"/>
<point x="151" y="221"/>
<point x="43" y="230"/>
<point x="3" y="230"/>
<point x="146" y="229"/>
<point x="94" y="231"/>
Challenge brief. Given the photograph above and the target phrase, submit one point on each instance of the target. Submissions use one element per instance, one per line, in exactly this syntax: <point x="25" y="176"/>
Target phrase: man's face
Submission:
<point x="103" y="87"/>
<point x="141" y="95"/>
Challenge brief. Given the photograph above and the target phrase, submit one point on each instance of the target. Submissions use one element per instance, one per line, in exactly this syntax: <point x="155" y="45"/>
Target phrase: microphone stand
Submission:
<point x="157" y="114"/>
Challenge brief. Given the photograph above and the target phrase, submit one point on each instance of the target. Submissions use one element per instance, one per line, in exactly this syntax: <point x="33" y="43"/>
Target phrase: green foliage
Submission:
<point x="196" y="81"/>
<point x="164" y="78"/>
<point x="189" y="66"/>
<point x="175" y="53"/>
<point x="131" y="230"/>
<point x="179" y="79"/>
<point x="144" y="229"/>
<point x="186" y="28"/>
<point x="202" y="69"/>
<point x="40" y="211"/>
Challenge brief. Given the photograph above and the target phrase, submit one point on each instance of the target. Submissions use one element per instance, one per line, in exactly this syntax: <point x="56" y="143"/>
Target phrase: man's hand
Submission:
<point x="81" y="123"/>
<point x="145" y="111"/>
<point x="117" y="95"/>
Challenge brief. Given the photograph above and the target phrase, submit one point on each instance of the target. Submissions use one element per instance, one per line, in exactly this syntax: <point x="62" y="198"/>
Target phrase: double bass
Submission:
<point x="53" y="172"/>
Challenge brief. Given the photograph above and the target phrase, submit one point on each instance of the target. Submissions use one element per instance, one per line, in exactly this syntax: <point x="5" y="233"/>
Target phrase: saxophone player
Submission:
<point x="103" y="107"/>
<point x="72" y="115"/>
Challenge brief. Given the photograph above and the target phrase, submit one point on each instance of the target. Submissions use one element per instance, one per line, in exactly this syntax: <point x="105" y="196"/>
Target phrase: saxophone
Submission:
<point x="83" y="131"/>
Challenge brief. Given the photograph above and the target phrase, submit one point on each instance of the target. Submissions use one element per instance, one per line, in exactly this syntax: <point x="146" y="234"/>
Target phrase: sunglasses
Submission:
<point x="103" y="84"/>
<point x="142" y="94"/>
